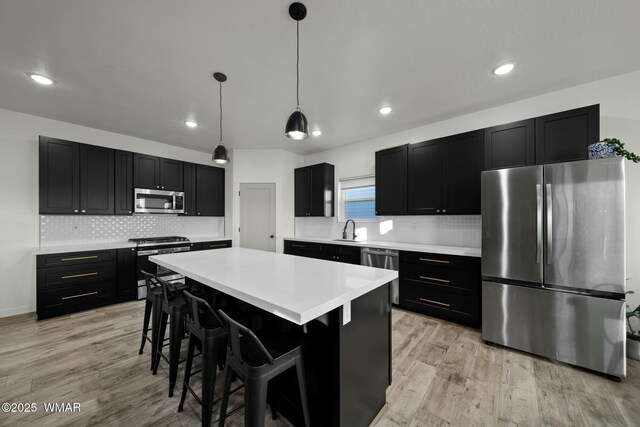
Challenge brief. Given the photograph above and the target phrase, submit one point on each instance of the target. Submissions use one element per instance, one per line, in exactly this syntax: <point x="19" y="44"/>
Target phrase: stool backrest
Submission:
<point x="153" y="282"/>
<point x="253" y="349"/>
<point x="150" y="281"/>
<point x="202" y="315"/>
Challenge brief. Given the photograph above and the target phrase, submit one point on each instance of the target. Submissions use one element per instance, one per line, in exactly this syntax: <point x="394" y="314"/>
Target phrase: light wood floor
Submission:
<point x="443" y="375"/>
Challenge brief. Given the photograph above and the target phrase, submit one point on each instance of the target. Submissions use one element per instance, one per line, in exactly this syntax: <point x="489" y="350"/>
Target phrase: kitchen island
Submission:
<point x="341" y="311"/>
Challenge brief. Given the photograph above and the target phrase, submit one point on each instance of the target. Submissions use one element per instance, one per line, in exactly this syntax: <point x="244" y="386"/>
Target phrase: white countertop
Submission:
<point x="82" y="247"/>
<point x="415" y="247"/>
<point x="295" y="288"/>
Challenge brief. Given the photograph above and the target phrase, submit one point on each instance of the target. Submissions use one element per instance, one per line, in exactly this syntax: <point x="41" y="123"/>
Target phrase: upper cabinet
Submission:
<point x="314" y="190"/>
<point x="391" y="181"/>
<point x="157" y="172"/>
<point x="564" y="136"/>
<point x="209" y="191"/>
<point x="510" y="145"/>
<point x="189" y="189"/>
<point x="444" y="175"/>
<point x="123" y="182"/>
<point x="75" y="178"/>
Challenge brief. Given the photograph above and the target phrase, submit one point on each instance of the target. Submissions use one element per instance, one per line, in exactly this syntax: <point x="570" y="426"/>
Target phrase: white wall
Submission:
<point x="267" y="166"/>
<point x="19" y="220"/>
<point x="619" y="99"/>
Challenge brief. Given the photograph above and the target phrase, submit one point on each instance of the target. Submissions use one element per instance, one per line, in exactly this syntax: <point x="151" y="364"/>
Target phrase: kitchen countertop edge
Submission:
<point x="87" y="247"/>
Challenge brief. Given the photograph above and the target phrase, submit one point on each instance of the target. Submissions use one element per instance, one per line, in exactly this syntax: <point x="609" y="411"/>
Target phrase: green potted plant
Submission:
<point x="611" y="147"/>
<point x="633" y="335"/>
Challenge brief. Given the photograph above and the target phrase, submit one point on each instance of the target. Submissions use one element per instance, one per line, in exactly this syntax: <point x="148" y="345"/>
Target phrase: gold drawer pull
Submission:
<point x="434" y="260"/>
<point x="221" y="245"/>
<point x="73" y="276"/>
<point x="298" y="246"/>
<point x="433" y="278"/>
<point x="80" y="257"/>
<point x="81" y="295"/>
<point x="435" y="302"/>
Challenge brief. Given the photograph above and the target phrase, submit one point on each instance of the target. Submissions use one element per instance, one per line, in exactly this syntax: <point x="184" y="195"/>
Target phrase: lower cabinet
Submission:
<point x="127" y="287"/>
<point x="339" y="253"/>
<point x="72" y="282"/>
<point x="444" y="286"/>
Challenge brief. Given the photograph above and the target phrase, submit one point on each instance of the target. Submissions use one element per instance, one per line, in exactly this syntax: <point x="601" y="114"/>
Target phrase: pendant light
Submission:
<point x="220" y="154"/>
<point x="297" y="126"/>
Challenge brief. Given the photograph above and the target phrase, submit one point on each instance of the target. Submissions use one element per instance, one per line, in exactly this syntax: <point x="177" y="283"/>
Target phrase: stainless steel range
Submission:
<point x="148" y="246"/>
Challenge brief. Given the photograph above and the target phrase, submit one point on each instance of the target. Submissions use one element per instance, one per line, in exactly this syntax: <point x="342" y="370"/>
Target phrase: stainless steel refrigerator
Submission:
<point x="553" y="262"/>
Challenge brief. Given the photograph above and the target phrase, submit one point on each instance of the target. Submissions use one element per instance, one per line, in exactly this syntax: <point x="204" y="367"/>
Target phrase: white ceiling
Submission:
<point x="142" y="67"/>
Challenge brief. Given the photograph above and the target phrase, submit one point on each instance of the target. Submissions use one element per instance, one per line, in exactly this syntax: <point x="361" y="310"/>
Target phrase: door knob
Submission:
<point x="271" y="236"/>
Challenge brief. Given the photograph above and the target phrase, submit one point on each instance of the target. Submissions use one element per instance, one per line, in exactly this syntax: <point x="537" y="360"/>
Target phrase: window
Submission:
<point x="357" y="199"/>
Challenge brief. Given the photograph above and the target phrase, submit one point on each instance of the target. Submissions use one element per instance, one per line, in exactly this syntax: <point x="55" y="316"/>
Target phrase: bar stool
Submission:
<point x="174" y="307"/>
<point x="255" y="364"/>
<point x="152" y="312"/>
<point x="207" y="330"/>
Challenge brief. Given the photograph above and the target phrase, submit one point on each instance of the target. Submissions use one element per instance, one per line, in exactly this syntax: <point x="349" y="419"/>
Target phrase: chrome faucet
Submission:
<point x="344" y="232"/>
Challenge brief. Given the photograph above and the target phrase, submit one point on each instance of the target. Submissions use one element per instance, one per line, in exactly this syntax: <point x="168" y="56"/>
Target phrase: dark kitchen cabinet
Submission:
<point x="510" y="145"/>
<point x="341" y="253"/>
<point x="59" y="176"/>
<point x="75" y="178"/>
<point x="304" y="249"/>
<point x="123" y="182"/>
<point x="189" y="189"/>
<point x="96" y="180"/>
<point x="127" y="276"/>
<point x="444" y="175"/>
<point x="314" y="190"/>
<point x="564" y="136"/>
<point x="216" y="244"/>
<point x="146" y="171"/>
<point x="391" y="181"/>
<point x="209" y="191"/>
<point x="157" y="172"/>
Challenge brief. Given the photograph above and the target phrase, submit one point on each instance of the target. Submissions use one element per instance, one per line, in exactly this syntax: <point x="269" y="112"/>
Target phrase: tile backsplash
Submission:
<point x="75" y="229"/>
<point x="451" y="230"/>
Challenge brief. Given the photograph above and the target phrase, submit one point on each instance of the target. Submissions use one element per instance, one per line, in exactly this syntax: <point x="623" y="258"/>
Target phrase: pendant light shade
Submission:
<point x="220" y="153"/>
<point x="297" y="126"/>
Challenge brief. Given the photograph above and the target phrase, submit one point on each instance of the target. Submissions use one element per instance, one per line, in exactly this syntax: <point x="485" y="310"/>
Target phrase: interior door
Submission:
<point x="512" y="224"/>
<point x="258" y="216"/>
<point x="584" y="215"/>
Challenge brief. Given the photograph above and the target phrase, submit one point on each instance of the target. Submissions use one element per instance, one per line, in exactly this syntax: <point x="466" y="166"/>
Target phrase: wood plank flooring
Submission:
<point x="442" y="375"/>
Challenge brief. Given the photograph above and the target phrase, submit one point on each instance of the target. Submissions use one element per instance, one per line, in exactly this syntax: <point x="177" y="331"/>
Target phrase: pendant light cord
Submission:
<point x="298" y="65"/>
<point x="220" y="112"/>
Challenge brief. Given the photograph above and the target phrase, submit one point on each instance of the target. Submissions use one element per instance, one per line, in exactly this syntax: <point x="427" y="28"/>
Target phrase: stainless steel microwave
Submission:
<point x="148" y="201"/>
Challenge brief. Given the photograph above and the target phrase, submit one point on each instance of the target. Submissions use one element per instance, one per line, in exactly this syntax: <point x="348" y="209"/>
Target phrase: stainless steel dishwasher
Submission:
<point x="383" y="258"/>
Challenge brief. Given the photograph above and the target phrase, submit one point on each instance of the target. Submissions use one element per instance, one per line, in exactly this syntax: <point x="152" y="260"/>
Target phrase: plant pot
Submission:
<point x="633" y="349"/>
<point x="601" y="150"/>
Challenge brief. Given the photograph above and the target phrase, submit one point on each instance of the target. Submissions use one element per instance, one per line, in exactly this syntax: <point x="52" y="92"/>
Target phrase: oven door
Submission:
<point x="158" y="201"/>
<point x="143" y="264"/>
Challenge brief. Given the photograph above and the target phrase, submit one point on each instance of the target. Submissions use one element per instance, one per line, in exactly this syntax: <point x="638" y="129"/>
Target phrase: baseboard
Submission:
<point x="14" y="311"/>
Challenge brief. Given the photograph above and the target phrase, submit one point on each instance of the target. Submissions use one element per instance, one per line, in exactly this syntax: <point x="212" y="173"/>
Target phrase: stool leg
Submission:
<point x="176" y="332"/>
<point x="156" y="316"/>
<point x="302" y="384"/>
<point x="228" y="379"/>
<point x="162" y="326"/>
<point x="209" y="368"/>
<point x="145" y="324"/>
<point x="187" y="370"/>
<point x="255" y="402"/>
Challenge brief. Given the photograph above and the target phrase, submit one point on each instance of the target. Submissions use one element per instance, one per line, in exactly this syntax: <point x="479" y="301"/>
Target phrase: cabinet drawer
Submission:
<point x="60" y="277"/>
<point x="216" y="245"/>
<point x="306" y="249"/>
<point x="428" y="300"/>
<point x="75" y="258"/>
<point x="445" y="278"/>
<point x="452" y="261"/>
<point x="69" y="300"/>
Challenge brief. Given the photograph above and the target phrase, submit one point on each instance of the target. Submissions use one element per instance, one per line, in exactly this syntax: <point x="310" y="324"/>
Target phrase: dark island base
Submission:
<point x="348" y="367"/>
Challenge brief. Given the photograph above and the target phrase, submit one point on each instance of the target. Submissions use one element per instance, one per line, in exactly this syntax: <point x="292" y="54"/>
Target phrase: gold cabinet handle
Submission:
<point x="435" y="302"/>
<point x="80" y="295"/>
<point x="434" y="260"/>
<point x="433" y="278"/>
<point x="221" y="245"/>
<point x="73" y="276"/>
<point x="298" y="246"/>
<point x="80" y="257"/>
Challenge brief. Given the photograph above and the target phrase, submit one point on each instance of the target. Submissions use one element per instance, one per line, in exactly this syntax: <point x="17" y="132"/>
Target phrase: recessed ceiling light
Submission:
<point x="316" y="132"/>
<point x="191" y="124"/>
<point x="504" y="68"/>
<point x="39" y="78"/>
<point x="384" y="110"/>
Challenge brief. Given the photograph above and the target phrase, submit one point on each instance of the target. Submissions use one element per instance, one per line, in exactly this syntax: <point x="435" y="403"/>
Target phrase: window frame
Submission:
<point x="363" y="181"/>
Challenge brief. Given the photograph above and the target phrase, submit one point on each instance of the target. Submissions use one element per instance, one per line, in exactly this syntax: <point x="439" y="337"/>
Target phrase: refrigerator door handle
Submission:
<point x="549" y="225"/>
<point x="538" y="223"/>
